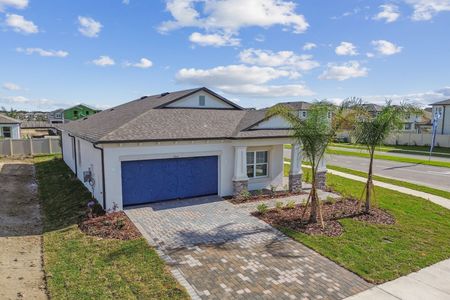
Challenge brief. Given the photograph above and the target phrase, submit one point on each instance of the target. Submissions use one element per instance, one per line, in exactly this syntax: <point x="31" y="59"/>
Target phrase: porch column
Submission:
<point x="295" y="173"/>
<point x="321" y="174"/>
<point x="240" y="179"/>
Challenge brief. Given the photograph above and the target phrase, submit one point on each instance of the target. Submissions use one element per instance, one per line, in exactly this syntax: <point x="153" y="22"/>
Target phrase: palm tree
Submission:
<point x="12" y="113"/>
<point x="371" y="129"/>
<point x="314" y="132"/>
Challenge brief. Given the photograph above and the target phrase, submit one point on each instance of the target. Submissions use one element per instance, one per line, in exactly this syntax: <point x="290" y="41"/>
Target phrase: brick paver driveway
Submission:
<point x="219" y="251"/>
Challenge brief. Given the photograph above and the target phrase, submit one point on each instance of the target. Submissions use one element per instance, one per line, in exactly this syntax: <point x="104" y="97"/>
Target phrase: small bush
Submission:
<point x="279" y="205"/>
<point x="244" y="195"/>
<point x="330" y="200"/>
<point x="290" y="204"/>
<point x="262" y="208"/>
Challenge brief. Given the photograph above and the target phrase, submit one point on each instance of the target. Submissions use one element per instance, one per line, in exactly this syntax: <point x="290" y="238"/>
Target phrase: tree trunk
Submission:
<point x="313" y="214"/>
<point x="369" y="184"/>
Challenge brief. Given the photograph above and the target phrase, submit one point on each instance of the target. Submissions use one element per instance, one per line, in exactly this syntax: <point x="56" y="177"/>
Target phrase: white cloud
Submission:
<point x="11" y="86"/>
<point x="89" y="27"/>
<point x="386" y="48"/>
<point x="425" y="10"/>
<point x="104" y="61"/>
<point x="309" y="46"/>
<point x="260" y="38"/>
<point x="21" y="102"/>
<point x="144" y="63"/>
<point x="126" y="2"/>
<point x="346" y="48"/>
<point x="370" y="54"/>
<point x="215" y="39"/>
<point x="42" y="52"/>
<point x="231" y="15"/>
<point x="18" y="4"/>
<point x="283" y="59"/>
<point x="389" y="13"/>
<point x="20" y="24"/>
<point x="420" y="98"/>
<point x="243" y="80"/>
<point x="351" y="69"/>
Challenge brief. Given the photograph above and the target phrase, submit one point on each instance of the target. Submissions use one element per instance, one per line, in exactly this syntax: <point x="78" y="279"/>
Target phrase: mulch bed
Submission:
<point x="264" y="195"/>
<point x="114" y="225"/>
<point x="332" y="212"/>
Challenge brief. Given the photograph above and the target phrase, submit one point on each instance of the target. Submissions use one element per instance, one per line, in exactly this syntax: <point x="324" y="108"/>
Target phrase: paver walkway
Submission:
<point x="432" y="282"/>
<point x="21" y="272"/>
<point x="219" y="251"/>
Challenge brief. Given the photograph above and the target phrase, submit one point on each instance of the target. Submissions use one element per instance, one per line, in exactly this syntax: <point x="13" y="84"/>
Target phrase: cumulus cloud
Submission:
<point x="425" y="10"/>
<point x="282" y="59"/>
<point x="231" y="15"/>
<point x="89" y="27"/>
<point x="144" y="63"/>
<point x="215" y="39"/>
<point x="243" y="80"/>
<point x="19" y="24"/>
<point x="11" y="86"/>
<point x="346" y="48"/>
<point x="22" y="102"/>
<point x="42" y="52"/>
<point x="389" y="13"/>
<point x="420" y="98"/>
<point x="351" y="69"/>
<point x="384" y="47"/>
<point x="104" y="61"/>
<point x="309" y="46"/>
<point x="18" y="4"/>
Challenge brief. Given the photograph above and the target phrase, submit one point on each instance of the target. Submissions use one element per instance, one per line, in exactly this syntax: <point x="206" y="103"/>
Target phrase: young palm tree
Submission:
<point x="371" y="130"/>
<point x="314" y="133"/>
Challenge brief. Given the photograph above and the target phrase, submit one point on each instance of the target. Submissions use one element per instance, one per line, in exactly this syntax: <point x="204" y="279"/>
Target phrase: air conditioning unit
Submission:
<point x="87" y="176"/>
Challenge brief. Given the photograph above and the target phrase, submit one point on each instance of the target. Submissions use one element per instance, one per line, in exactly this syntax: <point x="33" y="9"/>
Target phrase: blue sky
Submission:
<point x="257" y="52"/>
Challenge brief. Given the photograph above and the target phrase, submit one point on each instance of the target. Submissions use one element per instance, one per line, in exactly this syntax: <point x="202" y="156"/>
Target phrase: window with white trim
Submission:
<point x="201" y="100"/>
<point x="6" y="132"/>
<point x="257" y="164"/>
<point x="304" y="114"/>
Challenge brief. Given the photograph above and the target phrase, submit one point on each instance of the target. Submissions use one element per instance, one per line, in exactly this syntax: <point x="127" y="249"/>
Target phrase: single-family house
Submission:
<point x="9" y="127"/>
<point x="56" y="116"/>
<point x="442" y="108"/>
<point x="177" y="145"/>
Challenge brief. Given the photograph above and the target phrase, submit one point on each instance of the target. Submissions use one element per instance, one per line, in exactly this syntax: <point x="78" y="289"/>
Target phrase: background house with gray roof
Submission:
<point x="9" y="127"/>
<point x="176" y="145"/>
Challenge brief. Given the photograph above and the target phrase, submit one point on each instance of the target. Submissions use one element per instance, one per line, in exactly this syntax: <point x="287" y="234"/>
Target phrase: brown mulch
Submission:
<point x="332" y="212"/>
<point x="264" y="195"/>
<point x="114" y="225"/>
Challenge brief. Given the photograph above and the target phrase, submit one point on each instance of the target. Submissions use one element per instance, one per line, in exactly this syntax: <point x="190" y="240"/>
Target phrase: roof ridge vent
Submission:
<point x="143" y="97"/>
<point x="165" y="94"/>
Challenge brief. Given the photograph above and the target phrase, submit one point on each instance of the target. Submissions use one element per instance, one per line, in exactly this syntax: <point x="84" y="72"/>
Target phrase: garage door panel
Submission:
<point x="165" y="179"/>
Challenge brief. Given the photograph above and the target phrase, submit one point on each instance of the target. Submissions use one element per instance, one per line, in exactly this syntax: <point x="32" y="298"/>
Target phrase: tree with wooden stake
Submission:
<point x="314" y="133"/>
<point x="371" y="129"/>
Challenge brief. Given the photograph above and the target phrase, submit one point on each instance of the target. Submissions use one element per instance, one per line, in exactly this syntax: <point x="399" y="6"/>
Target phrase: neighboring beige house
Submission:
<point x="9" y="127"/>
<point x="443" y="109"/>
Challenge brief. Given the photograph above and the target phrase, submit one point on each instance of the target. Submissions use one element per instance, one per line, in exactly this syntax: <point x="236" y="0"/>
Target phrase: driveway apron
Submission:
<point x="219" y="251"/>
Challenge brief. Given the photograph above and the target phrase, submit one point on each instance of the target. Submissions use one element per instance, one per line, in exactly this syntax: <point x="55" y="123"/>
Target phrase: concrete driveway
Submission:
<point x="219" y="251"/>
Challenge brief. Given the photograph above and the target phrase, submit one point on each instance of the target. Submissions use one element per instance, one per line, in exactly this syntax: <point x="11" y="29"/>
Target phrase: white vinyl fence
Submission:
<point x="27" y="147"/>
<point x="417" y="139"/>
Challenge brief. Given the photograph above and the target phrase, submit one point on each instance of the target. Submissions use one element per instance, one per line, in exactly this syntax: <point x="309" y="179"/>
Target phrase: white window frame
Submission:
<point x="3" y="132"/>
<point x="201" y="100"/>
<point x="304" y="114"/>
<point x="254" y="164"/>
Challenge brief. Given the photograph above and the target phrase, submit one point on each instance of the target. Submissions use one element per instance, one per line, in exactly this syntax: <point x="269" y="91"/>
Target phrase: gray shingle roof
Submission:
<point x="8" y="120"/>
<point x="36" y="124"/>
<point x="445" y="102"/>
<point x="146" y="119"/>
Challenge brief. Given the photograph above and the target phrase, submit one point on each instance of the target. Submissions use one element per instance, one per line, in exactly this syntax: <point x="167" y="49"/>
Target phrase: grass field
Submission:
<point x="415" y="150"/>
<point x="380" y="253"/>
<point x="84" y="267"/>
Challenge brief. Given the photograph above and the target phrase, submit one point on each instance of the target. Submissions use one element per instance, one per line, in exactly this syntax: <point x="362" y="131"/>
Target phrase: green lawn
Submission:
<point x="392" y="158"/>
<point x="398" y="149"/>
<point x="83" y="267"/>
<point x="381" y="253"/>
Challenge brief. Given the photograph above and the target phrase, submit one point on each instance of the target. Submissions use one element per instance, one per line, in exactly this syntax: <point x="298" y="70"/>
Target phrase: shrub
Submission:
<point x="279" y="205"/>
<point x="330" y="200"/>
<point x="290" y="204"/>
<point x="262" y="208"/>
<point x="244" y="195"/>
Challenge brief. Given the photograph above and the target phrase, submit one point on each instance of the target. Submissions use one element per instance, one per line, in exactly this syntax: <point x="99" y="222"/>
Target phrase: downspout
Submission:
<point x="62" y="148"/>
<point x="75" y="154"/>
<point x="103" y="174"/>
<point x="443" y="119"/>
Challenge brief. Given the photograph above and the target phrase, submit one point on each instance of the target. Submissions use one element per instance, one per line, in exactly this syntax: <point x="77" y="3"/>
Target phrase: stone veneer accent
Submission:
<point x="295" y="183"/>
<point x="321" y="180"/>
<point x="239" y="186"/>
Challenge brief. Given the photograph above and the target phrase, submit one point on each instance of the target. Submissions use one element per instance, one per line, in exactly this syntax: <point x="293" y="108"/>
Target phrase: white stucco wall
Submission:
<point x="273" y="122"/>
<point x="192" y="101"/>
<point x="444" y="121"/>
<point x="115" y="154"/>
<point x="15" y="130"/>
<point x="90" y="161"/>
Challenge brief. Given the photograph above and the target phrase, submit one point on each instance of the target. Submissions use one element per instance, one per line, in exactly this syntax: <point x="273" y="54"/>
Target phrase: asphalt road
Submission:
<point x="434" y="177"/>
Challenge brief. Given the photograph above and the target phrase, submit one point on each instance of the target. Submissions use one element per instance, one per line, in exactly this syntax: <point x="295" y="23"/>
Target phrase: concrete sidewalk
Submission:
<point x="432" y="282"/>
<point x="433" y="198"/>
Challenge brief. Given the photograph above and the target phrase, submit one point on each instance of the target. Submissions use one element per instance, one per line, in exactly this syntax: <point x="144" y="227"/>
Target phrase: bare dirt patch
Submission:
<point x="21" y="270"/>
<point x="332" y="212"/>
<point x="114" y="225"/>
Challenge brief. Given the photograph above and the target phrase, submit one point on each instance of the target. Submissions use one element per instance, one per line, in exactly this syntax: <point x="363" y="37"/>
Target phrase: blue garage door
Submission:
<point x="146" y="181"/>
